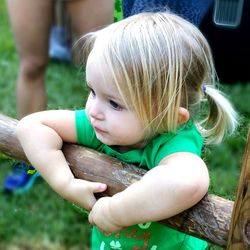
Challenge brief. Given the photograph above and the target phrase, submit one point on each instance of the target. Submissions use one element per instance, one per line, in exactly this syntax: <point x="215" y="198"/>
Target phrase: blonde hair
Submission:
<point x="159" y="63"/>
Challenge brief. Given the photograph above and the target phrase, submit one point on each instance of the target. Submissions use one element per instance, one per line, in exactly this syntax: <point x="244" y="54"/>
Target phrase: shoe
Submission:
<point x="21" y="179"/>
<point x="59" y="45"/>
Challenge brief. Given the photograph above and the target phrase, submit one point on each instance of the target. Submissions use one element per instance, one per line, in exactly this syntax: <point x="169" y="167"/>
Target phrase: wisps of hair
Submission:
<point x="83" y="47"/>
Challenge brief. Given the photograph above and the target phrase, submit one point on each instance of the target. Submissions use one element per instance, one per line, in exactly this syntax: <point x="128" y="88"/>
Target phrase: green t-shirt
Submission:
<point x="151" y="235"/>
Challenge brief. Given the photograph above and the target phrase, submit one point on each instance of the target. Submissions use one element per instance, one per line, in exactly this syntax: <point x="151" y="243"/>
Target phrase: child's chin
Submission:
<point x="104" y="141"/>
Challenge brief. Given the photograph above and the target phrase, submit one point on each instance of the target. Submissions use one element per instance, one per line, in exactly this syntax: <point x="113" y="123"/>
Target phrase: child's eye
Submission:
<point x="92" y="92"/>
<point x="115" y="105"/>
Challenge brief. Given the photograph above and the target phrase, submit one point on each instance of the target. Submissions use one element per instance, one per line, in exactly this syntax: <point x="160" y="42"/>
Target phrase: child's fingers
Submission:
<point x="95" y="187"/>
<point x="88" y="186"/>
<point x="98" y="187"/>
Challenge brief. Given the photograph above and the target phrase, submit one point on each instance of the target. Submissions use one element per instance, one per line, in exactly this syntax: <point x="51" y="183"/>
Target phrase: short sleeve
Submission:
<point x="187" y="139"/>
<point x="85" y="132"/>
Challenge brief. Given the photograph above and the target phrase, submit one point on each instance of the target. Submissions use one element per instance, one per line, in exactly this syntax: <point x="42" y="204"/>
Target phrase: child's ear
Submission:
<point x="183" y="115"/>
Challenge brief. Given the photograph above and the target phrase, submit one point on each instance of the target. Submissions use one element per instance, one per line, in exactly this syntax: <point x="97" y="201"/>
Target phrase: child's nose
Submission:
<point x="96" y="110"/>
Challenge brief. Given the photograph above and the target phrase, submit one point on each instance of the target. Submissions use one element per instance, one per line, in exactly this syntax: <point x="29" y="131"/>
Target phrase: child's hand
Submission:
<point x="82" y="192"/>
<point x="101" y="217"/>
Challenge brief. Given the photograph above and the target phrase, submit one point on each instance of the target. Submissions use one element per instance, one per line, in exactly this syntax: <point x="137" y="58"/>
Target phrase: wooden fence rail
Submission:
<point x="210" y="219"/>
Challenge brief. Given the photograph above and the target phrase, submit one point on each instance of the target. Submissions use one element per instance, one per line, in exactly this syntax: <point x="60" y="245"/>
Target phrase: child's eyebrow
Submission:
<point x="116" y="98"/>
<point x="112" y="97"/>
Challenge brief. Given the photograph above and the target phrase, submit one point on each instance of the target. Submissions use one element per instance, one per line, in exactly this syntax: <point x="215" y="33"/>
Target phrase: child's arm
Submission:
<point x="178" y="183"/>
<point x="41" y="136"/>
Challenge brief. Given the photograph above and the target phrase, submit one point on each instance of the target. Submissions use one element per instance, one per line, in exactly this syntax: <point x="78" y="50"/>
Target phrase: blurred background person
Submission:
<point x="34" y="31"/>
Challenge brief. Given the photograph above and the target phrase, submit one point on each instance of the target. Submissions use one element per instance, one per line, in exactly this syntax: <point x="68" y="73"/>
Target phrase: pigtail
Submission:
<point x="221" y="119"/>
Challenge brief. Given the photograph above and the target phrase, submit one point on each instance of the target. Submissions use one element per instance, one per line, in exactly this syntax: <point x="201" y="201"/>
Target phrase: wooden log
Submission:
<point x="239" y="235"/>
<point x="209" y="219"/>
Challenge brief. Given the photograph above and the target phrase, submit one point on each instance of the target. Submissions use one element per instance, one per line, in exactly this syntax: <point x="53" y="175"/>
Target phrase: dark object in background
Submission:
<point x="231" y="46"/>
<point x="192" y="10"/>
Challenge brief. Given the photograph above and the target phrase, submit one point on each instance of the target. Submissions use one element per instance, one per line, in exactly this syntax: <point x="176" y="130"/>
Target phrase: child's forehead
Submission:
<point x="97" y="73"/>
<point x="97" y="69"/>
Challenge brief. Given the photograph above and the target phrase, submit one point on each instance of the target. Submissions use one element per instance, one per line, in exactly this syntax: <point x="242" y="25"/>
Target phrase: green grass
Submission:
<point x="40" y="219"/>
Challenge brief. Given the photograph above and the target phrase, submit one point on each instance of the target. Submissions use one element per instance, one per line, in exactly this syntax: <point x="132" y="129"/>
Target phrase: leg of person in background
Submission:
<point x="85" y="15"/>
<point x="89" y="15"/>
<point x="31" y="21"/>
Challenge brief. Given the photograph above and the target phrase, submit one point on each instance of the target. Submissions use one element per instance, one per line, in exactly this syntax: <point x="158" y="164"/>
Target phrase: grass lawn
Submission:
<point x="40" y="219"/>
